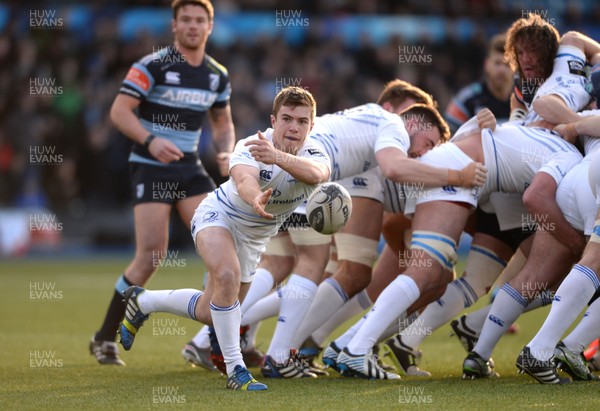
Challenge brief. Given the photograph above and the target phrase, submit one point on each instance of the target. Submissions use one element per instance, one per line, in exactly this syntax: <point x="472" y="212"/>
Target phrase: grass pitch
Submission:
<point x="50" y="309"/>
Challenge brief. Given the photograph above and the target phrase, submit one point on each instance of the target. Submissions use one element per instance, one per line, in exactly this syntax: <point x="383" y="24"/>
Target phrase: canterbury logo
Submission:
<point x="449" y="189"/>
<point x="496" y="320"/>
<point x="359" y="182"/>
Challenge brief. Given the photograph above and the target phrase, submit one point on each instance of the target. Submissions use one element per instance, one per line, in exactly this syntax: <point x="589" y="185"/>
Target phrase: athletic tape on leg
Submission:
<point x="356" y="249"/>
<point x="438" y="246"/>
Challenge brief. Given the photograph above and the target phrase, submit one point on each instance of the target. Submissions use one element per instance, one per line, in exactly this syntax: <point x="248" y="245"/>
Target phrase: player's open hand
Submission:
<point x="262" y="149"/>
<point x="486" y="119"/>
<point x="260" y="201"/>
<point x="164" y="150"/>
<point x="473" y="175"/>
<point x="223" y="163"/>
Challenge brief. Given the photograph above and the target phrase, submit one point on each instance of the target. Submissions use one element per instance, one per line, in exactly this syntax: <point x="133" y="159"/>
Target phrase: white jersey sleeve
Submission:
<point x="351" y="137"/>
<point x="567" y="81"/>
<point x="288" y="192"/>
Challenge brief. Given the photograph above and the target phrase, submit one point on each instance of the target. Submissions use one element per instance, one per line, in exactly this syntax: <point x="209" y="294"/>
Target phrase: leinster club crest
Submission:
<point x="210" y="216"/>
<point x="213" y="81"/>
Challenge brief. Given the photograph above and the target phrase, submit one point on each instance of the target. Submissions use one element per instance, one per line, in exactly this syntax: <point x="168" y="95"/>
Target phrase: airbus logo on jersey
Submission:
<point x="190" y="97"/>
<point x="172" y="77"/>
<point x="449" y="189"/>
<point x="266" y="175"/>
<point x="359" y="182"/>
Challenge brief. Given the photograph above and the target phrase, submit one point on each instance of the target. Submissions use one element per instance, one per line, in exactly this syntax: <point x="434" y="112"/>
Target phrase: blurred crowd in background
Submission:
<point x="83" y="72"/>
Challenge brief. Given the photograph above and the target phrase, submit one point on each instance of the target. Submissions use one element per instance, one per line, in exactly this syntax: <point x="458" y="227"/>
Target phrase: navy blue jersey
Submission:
<point x="175" y="97"/>
<point x="525" y="89"/>
<point x="471" y="100"/>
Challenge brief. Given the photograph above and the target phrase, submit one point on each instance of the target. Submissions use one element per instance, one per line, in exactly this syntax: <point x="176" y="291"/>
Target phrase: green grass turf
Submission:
<point x="46" y="364"/>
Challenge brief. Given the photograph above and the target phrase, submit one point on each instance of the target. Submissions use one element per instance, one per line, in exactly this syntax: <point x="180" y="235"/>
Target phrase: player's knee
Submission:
<point x="356" y="249"/>
<point x="226" y="279"/>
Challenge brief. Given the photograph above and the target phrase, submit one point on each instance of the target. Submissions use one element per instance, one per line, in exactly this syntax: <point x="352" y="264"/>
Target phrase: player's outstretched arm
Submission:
<point x="553" y="109"/>
<point x="246" y="181"/>
<point x="302" y="169"/>
<point x="401" y="169"/>
<point x="586" y="126"/>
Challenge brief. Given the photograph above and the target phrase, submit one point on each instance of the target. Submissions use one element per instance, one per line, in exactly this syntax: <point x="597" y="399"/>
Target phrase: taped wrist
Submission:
<point x="517" y="114"/>
<point x="455" y="177"/>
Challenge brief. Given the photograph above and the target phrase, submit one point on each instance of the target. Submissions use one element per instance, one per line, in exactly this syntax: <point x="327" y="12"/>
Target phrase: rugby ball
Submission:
<point x="328" y="208"/>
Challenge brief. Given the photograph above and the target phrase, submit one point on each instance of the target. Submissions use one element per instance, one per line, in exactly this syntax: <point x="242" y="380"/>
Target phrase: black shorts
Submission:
<point x="488" y="224"/>
<point x="168" y="184"/>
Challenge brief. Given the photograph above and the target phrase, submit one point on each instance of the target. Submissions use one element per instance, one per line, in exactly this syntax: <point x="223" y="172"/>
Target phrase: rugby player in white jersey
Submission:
<point x="357" y="140"/>
<point x="578" y="198"/>
<point x="271" y="173"/>
<point x="488" y="255"/>
<point x="345" y="135"/>
<point x="503" y="151"/>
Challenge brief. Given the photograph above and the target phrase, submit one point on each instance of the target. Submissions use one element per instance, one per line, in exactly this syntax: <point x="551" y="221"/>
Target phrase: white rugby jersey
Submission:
<point x="352" y="137"/>
<point x="514" y="154"/>
<point x="287" y="191"/>
<point x="567" y="81"/>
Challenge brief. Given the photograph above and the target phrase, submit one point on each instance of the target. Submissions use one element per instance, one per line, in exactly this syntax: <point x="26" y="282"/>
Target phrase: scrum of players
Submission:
<point x="520" y="174"/>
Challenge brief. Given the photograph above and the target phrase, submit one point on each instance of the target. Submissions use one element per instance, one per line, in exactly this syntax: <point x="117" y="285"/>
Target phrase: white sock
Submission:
<point x="344" y="339"/>
<point x="398" y="327"/>
<point x="329" y="298"/>
<point x="296" y="297"/>
<point x="201" y="339"/>
<point x="226" y="322"/>
<point x="261" y="286"/>
<point x="586" y="331"/>
<point x="506" y="308"/>
<point x="570" y="299"/>
<point x="458" y="296"/>
<point x="265" y="308"/>
<point x="179" y="302"/>
<point x="352" y="307"/>
<point x="394" y="300"/>
<point x="476" y="319"/>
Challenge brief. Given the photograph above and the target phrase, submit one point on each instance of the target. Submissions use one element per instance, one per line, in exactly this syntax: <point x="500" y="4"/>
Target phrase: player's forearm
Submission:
<point x="588" y="126"/>
<point x="128" y="123"/>
<point x="224" y="138"/>
<point x="303" y="169"/>
<point x="408" y="170"/>
<point x="223" y="131"/>
<point x="248" y="188"/>
<point x="553" y="109"/>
